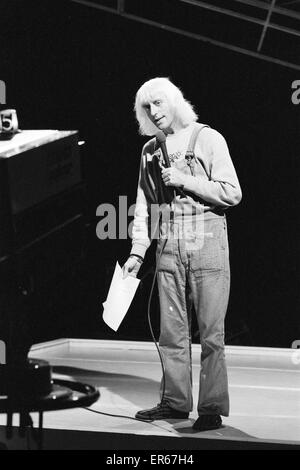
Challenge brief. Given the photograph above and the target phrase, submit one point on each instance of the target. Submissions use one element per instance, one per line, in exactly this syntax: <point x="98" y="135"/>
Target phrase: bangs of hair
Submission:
<point x="145" y="96"/>
<point x="147" y="90"/>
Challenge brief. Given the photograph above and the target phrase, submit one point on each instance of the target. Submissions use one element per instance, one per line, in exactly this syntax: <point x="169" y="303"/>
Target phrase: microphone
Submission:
<point x="161" y="140"/>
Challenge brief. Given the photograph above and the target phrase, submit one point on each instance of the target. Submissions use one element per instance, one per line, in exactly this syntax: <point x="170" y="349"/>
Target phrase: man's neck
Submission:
<point x="175" y="129"/>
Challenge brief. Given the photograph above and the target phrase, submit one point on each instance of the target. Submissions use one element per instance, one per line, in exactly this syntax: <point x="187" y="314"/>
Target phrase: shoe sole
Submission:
<point x="144" y="418"/>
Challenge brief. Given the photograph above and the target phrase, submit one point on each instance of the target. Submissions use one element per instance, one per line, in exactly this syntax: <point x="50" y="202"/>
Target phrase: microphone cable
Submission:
<point x="163" y="388"/>
<point x="150" y="324"/>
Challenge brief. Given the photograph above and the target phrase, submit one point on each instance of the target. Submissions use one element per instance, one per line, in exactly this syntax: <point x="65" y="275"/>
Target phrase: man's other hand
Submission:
<point x="131" y="267"/>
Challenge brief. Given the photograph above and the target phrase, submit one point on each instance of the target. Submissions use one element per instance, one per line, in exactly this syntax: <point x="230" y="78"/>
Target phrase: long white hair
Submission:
<point x="184" y="112"/>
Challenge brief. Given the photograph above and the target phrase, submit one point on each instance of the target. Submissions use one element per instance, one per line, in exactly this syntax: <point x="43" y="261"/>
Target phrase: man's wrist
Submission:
<point x="138" y="257"/>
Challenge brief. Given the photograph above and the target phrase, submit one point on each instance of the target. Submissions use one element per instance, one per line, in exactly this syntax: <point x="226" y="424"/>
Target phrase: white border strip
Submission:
<point x="70" y="343"/>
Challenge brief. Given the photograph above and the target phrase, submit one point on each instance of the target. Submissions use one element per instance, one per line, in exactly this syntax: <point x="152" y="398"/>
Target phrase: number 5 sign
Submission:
<point x="8" y="120"/>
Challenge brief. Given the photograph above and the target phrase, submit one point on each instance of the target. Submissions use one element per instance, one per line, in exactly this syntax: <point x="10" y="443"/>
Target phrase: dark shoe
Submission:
<point x="207" y="422"/>
<point x="161" y="411"/>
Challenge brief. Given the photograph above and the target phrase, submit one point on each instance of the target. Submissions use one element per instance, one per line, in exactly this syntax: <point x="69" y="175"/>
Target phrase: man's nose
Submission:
<point x="153" y="109"/>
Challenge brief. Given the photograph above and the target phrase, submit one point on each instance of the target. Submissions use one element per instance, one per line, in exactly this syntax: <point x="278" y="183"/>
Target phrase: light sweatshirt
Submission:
<point x="210" y="181"/>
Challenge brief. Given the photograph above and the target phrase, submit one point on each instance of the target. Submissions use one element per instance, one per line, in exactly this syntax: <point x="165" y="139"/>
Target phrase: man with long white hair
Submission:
<point x="192" y="249"/>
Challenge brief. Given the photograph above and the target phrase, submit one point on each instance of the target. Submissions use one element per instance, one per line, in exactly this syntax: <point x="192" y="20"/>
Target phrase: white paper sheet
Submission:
<point x="119" y="298"/>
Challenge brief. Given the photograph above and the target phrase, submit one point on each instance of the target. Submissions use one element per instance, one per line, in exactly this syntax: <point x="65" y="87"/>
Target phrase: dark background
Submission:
<point x="67" y="66"/>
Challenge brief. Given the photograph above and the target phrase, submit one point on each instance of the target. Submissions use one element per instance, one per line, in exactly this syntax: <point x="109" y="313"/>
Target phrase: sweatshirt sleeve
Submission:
<point x="141" y="238"/>
<point x="223" y="188"/>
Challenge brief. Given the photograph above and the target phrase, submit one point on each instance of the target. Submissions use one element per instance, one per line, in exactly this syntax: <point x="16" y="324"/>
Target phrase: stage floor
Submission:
<point x="264" y="391"/>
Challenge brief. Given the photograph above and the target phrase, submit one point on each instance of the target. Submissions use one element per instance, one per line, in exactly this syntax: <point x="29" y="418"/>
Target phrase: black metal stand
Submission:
<point x="65" y="394"/>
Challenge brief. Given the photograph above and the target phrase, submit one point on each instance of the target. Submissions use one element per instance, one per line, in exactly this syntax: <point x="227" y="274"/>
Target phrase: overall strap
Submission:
<point x="190" y="153"/>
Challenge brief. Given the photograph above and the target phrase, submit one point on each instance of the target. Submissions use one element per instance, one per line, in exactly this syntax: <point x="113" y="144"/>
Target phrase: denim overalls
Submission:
<point x="193" y="269"/>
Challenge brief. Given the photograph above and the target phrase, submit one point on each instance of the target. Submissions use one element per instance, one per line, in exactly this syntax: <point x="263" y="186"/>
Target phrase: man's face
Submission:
<point x="160" y="111"/>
